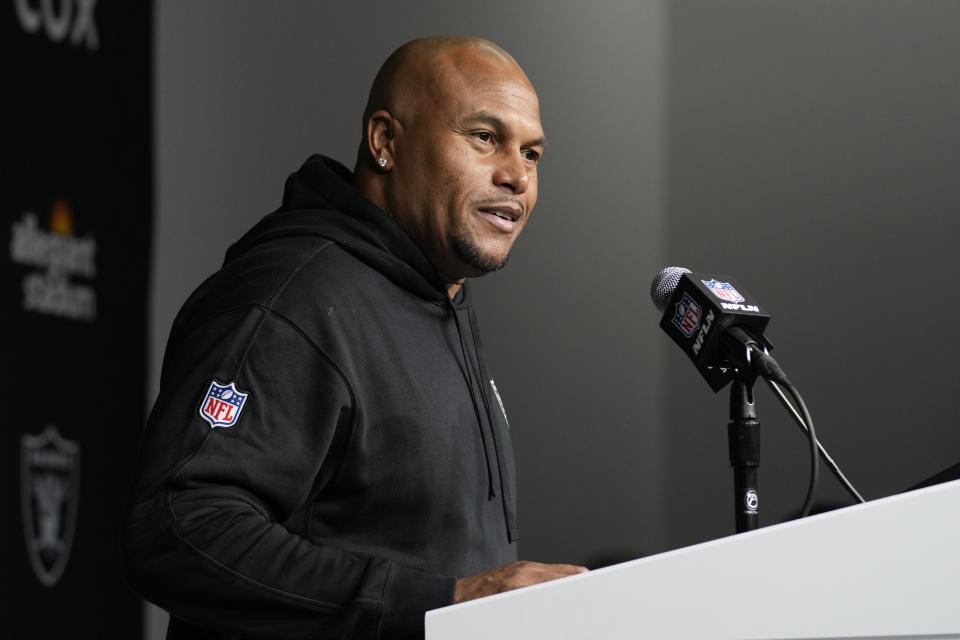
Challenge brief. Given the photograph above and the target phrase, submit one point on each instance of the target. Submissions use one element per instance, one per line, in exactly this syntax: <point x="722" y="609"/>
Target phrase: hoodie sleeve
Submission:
<point x="213" y="532"/>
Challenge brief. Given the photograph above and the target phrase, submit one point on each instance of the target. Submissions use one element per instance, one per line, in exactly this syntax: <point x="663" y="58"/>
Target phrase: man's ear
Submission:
<point x="381" y="132"/>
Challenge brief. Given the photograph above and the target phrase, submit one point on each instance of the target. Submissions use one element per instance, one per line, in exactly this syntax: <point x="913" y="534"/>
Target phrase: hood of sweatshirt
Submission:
<point x="319" y="199"/>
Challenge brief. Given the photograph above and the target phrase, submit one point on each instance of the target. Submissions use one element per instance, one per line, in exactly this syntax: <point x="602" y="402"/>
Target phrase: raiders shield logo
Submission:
<point x="49" y="495"/>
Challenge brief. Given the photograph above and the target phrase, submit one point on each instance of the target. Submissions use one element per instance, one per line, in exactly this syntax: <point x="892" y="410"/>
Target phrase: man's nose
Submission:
<point x="512" y="173"/>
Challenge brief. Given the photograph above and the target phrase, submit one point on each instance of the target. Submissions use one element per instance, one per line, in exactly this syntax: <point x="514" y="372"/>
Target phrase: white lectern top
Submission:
<point x="885" y="569"/>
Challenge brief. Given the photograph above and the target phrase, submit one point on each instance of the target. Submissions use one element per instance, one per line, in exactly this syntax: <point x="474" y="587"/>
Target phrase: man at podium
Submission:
<point x="329" y="456"/>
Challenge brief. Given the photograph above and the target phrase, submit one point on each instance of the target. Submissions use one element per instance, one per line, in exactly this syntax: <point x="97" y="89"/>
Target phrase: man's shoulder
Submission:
<point x="304" y="266"/>
<point x="266" y="269"/>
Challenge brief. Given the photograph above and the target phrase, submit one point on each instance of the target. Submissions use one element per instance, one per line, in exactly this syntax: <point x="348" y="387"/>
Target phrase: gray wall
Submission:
<point x="813" y="152"/>
<point x="805" y="148"/>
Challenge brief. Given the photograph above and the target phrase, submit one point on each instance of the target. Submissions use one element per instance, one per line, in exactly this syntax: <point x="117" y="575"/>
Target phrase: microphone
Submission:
<point x="720" y="327"/>
<point x="716" y="323"/>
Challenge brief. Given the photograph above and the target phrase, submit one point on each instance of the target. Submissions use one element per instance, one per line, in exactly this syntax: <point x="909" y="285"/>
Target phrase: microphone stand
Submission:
<point x="743" y="433"/>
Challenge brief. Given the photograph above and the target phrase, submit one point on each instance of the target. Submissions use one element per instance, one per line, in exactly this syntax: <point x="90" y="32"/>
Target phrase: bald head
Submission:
<point x="451" y="142"/>
<point x="421" y="65"/>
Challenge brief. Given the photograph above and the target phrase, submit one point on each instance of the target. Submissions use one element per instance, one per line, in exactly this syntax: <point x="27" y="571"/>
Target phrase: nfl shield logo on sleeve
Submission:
<point x="222" y="405"/>
<point x="723" y="290"/>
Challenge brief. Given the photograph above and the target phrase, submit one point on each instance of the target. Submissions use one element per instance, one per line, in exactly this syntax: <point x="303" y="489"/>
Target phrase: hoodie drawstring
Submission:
<point x="491" y="491"/>
<point x="506" y="497"/>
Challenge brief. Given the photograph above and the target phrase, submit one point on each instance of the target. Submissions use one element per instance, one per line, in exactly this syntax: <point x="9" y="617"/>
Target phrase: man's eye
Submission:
<point x="531" y="155"/>
<point x="484" y="136"/>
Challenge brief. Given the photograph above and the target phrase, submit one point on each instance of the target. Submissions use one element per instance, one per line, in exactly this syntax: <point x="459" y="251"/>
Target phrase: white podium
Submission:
<point x="885" y="569"/>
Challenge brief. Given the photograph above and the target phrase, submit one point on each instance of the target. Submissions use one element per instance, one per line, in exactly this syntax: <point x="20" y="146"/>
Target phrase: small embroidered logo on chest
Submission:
<point x="222" y="405"/>
<point x="493" y="385"/>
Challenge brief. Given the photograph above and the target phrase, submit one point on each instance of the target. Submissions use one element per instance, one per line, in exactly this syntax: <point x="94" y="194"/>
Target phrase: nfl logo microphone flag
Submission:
<point x="723" y="290"/>
<point x="76" y="216"/>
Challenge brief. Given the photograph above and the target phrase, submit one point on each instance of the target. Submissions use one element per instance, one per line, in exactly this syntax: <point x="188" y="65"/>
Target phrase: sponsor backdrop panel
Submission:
<point x="76" y="224"/>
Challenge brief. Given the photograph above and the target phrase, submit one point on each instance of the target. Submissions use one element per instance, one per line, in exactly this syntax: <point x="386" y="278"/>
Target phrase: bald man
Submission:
<point x="328" y="456"/>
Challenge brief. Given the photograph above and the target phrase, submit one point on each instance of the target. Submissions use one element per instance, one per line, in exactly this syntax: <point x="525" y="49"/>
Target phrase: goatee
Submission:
<point x="471" y="254"/>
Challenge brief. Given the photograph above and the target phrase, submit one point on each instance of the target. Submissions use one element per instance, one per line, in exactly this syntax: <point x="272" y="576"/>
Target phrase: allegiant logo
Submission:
<point x="57" y="258"/>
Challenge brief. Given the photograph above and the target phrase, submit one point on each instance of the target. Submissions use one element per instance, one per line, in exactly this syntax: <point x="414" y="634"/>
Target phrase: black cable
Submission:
<point x="812" y="437"/>
<point x="824" y="454"/>
<point x="766" y="366"/>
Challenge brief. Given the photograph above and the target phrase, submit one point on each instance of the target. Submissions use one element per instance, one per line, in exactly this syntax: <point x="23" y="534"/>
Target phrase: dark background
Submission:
<point x="76" y="127"/>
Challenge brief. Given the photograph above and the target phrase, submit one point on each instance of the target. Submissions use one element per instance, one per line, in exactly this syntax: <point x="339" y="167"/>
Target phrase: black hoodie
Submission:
<point x="368" y="464"/>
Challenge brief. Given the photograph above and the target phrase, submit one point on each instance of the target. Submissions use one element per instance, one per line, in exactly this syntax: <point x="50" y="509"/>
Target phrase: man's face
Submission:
<point x="464" y="175"/>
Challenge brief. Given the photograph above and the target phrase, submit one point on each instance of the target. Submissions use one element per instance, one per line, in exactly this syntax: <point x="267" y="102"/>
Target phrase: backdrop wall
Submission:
<point x="75" y="217"/>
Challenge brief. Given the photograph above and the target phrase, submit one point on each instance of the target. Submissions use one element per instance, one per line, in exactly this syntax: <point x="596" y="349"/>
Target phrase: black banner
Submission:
<point x="75" y="213"/>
